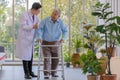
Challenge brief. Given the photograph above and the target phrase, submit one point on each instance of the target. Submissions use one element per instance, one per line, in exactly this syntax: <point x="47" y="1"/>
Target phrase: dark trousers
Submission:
<point x="27" y="66"/>
<point x="50" y="64"/>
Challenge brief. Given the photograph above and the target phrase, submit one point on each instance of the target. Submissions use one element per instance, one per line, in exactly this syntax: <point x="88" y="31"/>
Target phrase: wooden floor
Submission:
<point x="16" y="73"/>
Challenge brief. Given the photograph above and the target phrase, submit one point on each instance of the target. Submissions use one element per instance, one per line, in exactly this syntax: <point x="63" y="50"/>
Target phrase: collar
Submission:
<point x="30" y="13"/>
<point x="50" y="19"/>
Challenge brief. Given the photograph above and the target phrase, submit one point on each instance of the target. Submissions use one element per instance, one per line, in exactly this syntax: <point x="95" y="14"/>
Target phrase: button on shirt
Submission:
<point x="52" y="31"/>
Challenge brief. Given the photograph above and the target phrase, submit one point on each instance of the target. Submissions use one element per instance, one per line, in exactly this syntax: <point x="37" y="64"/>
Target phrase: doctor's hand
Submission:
<point x="35" y="26"/>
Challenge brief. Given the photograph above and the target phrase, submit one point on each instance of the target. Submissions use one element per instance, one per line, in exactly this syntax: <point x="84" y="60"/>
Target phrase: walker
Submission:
<point x="61" y="59"/>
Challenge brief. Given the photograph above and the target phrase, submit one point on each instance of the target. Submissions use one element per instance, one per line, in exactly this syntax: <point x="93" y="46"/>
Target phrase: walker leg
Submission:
<point x="1" y="66"/>
<point x="39" y="56"/>
<point x="62" y="58"/>
<point x="63" y="77"/>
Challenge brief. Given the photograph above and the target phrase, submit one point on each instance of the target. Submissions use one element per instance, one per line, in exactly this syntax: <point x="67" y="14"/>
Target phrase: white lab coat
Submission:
<point x="25" y="39"/>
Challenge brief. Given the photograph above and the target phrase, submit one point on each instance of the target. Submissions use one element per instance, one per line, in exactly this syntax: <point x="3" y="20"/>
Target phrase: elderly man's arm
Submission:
<point x="64" y="32"/>
<point x="39" y="31"/>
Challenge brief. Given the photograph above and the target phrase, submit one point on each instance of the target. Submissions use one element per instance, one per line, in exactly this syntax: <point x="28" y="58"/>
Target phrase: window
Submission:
<point x="73" y="13"/>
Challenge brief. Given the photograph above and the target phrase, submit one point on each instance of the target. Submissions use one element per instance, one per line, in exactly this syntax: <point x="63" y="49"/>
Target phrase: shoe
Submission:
<point x="55" y="76"/>
<point x="27" y="77"/>
<point x="46" y="77"/>
<point x="33" y="75"/>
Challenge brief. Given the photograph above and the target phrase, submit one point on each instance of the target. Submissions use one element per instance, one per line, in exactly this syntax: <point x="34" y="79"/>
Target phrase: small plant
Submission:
<point x="77" y="63"/>
<point x="90" y="63"/>
<point x="67" y="58"/>
<point x="78" y="43"/>
<point x="103" y="51"/>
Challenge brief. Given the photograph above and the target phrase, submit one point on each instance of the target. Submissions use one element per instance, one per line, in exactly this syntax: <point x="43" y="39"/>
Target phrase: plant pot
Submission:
<point x="109" y="77"/>
<point x="93" y="77"/>
<point x="103" y="60"/>
<point x="75" y="60"/>
<point x="77" y="50"/>
<point x="67" y="64"/>
<point x="110" y="50"/>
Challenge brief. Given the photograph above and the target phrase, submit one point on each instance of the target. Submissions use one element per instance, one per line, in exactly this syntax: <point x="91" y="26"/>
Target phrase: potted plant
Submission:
<point x="91" y="37"/>
<point x="78" y="44"/>
<point x="103" y="60"/>
<point x="67" y="59"/>
<point x="103" y="52"/>
<point x="90" y="64"/>
<point x="77" y="64"/>
<point x="111" y="29"/>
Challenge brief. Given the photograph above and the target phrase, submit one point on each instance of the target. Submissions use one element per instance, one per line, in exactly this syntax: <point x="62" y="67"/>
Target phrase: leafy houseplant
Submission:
<point x="77" y="42"/>
<point x="92" y="38"/>
<point x="67" y="59"/>
<point x="90" y="64"/>
<point x="103" y="60"/>
<point x="103" y="51"/>
<point x="110" y="28"/>
<point x="78" y="45"/>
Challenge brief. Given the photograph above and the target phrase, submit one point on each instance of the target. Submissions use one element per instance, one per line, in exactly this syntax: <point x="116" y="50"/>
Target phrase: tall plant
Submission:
<point x="110" y="28"/>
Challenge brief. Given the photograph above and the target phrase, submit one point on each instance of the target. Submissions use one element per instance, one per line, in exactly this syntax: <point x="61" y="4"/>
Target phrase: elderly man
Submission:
<point x="25" y="39"/>
<point x="51" y="31"/>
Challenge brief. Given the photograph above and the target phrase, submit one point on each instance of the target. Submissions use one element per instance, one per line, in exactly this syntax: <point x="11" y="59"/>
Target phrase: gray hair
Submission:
<point x="58" y="10"/>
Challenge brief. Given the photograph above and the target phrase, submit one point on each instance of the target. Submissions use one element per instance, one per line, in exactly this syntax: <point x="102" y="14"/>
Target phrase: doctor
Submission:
<point x="25" y="39"/>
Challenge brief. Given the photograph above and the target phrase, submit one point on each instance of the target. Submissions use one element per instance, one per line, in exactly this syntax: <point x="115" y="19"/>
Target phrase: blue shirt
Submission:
<point x="52" y="31"/>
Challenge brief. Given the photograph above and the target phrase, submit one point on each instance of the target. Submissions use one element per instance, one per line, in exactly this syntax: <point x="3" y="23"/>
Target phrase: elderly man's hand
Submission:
<point x="61" y="41"/>
<point x="40" y="41"/>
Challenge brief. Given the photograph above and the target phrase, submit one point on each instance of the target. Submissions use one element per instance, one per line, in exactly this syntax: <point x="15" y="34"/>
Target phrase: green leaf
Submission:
<point x="118" y="39"/>
<point x="106" y="6"/>
<point x="100" y="29"/>
<point x="111" y="19"/>
<point x="119" y="30"/>
<point x="96" y="13"/>
<point x="118" y="19"/>
<point x="99" y="4"/>
<point x="107" y="14"/>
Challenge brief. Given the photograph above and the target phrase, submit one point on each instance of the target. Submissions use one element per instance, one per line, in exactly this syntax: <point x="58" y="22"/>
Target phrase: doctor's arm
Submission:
<point x="25" y="25"/>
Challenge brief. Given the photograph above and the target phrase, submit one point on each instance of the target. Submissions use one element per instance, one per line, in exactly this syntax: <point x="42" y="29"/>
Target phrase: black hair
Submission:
<point x="36" y="5"/>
